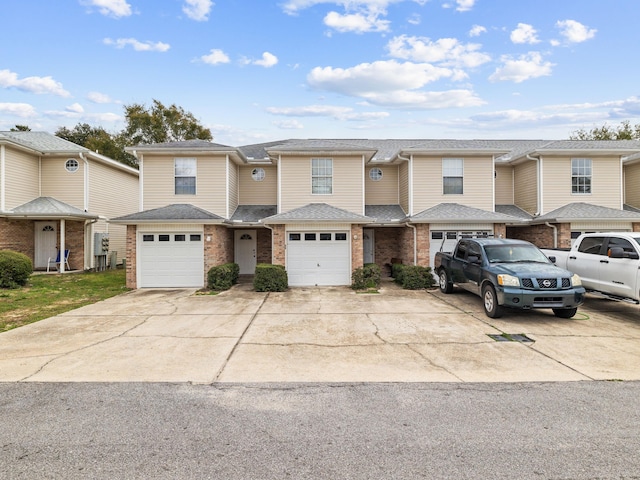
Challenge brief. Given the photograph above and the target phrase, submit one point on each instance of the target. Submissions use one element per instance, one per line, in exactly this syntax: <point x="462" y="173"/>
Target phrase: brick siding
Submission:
<point x="263" y="247"/>
<point x="131" y="273"/>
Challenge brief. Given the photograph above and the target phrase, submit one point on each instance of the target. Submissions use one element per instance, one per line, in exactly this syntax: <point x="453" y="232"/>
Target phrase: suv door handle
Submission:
<point x="604" y="261"/>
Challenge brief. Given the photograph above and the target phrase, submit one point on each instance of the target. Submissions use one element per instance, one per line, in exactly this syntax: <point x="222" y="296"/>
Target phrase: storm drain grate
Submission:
<point x="511" y="337"/>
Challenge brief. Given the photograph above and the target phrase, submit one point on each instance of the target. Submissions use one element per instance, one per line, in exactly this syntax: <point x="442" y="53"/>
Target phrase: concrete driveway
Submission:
<point x="320" y="335"/>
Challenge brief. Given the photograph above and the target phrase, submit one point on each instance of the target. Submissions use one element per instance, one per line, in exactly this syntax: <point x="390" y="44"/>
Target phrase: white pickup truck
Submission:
<point x="607" y="262"/>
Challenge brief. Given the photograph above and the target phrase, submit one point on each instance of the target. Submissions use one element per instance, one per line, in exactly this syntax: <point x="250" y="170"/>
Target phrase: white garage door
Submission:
<point x="445" y="241"/>
<point x="318" y="258"/>
<point x="171" y="260"/>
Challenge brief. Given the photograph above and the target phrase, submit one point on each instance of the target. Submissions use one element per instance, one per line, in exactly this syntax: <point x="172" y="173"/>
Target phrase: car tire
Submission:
<point x="490" y="302"/>
<point x="565" y="312"/>
<point x="443" y="281"/>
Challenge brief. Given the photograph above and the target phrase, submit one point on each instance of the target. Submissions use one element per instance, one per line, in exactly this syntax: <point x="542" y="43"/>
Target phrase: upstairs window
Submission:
<point x="580" y="175"/>
<point x="322" y="176"/>
<point x="185" y="176"/>
<point x="452" y="176"/>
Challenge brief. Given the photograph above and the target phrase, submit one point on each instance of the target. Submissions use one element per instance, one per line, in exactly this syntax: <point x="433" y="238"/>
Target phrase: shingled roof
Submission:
<point x="316" y="213"/>
<point x="579" y="211"/>
<point x="48" y="207"/>
<point x="456" y="213"/>
<point x="176" y="213"/>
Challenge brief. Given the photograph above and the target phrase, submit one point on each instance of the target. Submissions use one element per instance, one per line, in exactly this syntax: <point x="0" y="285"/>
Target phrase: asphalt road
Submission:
<point x="572" y="430"/>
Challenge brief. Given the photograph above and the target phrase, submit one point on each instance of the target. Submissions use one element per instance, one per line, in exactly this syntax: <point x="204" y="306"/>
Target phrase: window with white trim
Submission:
<point x="581" y="175"/>
<point x="185" y="176"/>
<point x="322" y="176"/>
<point x="452" y="176"/>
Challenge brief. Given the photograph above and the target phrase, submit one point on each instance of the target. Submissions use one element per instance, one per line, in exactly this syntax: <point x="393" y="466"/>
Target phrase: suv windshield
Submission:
<point x="514" y="253"/>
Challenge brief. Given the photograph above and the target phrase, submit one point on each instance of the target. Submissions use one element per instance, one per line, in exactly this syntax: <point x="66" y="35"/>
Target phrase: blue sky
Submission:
<point x="255" y="71"/>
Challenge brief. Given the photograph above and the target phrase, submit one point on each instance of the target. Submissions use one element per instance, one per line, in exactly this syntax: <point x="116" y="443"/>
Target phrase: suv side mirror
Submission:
<point x="473" y="259"/>
<point x="552" y="259"/>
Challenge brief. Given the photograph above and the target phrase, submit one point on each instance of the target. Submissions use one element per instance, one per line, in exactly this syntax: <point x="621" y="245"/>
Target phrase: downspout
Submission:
<point x="88" y="257"/>
<point x="228" y="187"/>
<point x="539" y="204"/>
<point x="364" y="201"/>
<point x="271" y="229"/>
<point x="415" y="242"/>
<point x="622" y="182"/>
<point x="555" y="234"/>
<point x="279" y="162"/>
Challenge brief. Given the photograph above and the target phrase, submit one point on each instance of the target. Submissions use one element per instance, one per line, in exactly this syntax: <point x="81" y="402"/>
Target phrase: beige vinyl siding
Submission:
<point x="525" y="186"/>
<point x="57" y="182"/>
<point x="211" y="183"/>
<point x="385" y="190"/>
<point x="477" y="189"/>
<point x="403" y="186"/>
<point x="258" y="193"/>
<point x="347" y="193"/>
<point x="605" y="183"/>
<point x="21" y="178"/>
<point x="632" y="185"/>
<point x="504" y="185"/>
<point x="112" y="193"/>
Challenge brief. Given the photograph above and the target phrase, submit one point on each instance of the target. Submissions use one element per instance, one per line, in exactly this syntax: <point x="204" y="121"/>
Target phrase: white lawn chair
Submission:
<point x="56" y="262"/>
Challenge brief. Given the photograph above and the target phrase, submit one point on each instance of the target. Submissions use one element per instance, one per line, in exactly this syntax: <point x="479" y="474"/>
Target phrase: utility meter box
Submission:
<point x="100" y="243"/>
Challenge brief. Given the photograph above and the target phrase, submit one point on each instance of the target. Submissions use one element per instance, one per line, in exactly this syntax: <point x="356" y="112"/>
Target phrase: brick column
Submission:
<point x="357" y="247"/>
<point x="278" y="242"/>
<point x="131" y="271"/>
<point x="423" y="244"/>
<point x="218" y="246"/>
<point x="635" y="226"/>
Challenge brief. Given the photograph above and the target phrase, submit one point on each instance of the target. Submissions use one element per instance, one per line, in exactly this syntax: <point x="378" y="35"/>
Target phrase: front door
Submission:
<point x="245" y="251"/>
<point x="367" y="245"/>
<point x="46" y="239"/>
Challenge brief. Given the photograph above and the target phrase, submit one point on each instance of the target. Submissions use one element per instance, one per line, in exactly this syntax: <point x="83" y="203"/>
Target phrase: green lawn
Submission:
<point x="48" y="295"/>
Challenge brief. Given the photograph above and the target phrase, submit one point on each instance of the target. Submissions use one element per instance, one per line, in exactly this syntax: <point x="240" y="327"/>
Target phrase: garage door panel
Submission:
<point x="178" y="261"/>
<point x="318" y="262"/>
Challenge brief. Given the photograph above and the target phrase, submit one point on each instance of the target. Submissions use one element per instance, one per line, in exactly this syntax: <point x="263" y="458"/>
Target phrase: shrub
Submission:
<point x="366" y="277"/>
<point x="15" y="269"/>
<point x="270" y="278"/>
<point x="223" y="277"/>
<point x="396" y="272"/>
<point x="415" y="277"/>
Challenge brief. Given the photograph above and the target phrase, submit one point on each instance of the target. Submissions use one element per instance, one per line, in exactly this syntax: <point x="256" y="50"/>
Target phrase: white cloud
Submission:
<point x="378" y="76"/>
<point x="197" y="9"/>
<point x="215" y="57"/>
<point x="460" y="5"/>
<point x="414" y="19"/>
<point x="359" y="16"/>
<point x="445" y="51"/>
<point x="477" y="30"/>
<point x="465" y="5"/>
<point x="137" y="45"/>
<point x="268" y="60"/>
<point x="288" y="124"/>
<point x="524" y="33"/>
<point x="75" y="108"/>
<point x="23" y="110"/>
<point x="575" y="32"/>
<point x="37" y="85"/>
<point x="356" y="22"/>
<point x="332" y="111"/>
<point x="111" y="8"/>
<point x="522" y="68"/>
<point x="97" y="97"/>
<point x="390" y="83"/>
